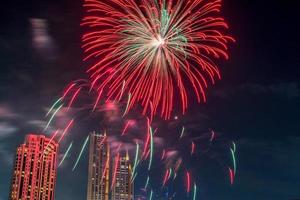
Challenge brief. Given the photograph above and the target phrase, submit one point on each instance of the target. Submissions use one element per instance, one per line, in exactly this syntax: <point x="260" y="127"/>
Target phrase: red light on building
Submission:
<point x="34" y="174"/>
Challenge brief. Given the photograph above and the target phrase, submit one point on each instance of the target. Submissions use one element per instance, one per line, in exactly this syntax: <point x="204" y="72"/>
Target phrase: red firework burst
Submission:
<point x="154" y="49"/>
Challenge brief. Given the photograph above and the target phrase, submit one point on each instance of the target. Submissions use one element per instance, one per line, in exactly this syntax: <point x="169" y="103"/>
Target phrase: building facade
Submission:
<point x="99" y="168"/>
<point x="122" y="188"/>
<point x="35" y="169"/>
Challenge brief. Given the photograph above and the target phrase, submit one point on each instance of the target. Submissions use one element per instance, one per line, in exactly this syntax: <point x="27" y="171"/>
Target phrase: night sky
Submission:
<point x="256" y="103"/>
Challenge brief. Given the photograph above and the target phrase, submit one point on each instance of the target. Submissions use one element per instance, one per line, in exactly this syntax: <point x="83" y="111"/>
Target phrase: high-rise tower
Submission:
<point x="34" y="174"/>
<point x="122" y="186"/>
<point x="99" y="168"/>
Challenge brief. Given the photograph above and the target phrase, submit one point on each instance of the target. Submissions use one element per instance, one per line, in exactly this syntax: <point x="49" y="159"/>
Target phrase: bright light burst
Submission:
<point x="153" y="50"/>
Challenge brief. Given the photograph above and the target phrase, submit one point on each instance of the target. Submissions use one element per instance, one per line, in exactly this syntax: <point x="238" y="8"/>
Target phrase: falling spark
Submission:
<point x="73" y="98"/>
<point x="53" y="106"/>
<point x="233" y="160"/>
<point x="151" y="195"/>
<point x="52" y="117"/>
<point x="188" y="180"/>
<point x="134" y="178"/>
<point x="115" y="170"/>
<point x="147" y="183"/>
<point x="231" y="176"/>
<point x="151" y="149"/>
<point x="182" y="132"/>
<point x="122" y="91"/>
<point x="163" y="154"/>
<point x="66" y="130"/>
<point x="105" y="168"/>
<point x="68" y="89"/>
<point x="234" y="147"/>
<point x="81" y="151"/>
<point x="212" y="136"/>
<point x="147" y="139"/>
<point x="193" y="148"/>
<point x="195" y="191"/>
<point x="66" y="154"/>
<point x="126" y="127"/>
<point x="97" y="100"/>
<point x="136" y="157"/>
<point x="51" y="139"/>
<point x="166" y="177"/>
<point x="127" y="105"/>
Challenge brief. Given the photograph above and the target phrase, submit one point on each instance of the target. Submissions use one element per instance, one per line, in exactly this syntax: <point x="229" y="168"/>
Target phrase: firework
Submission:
<point x="154" y="50"/>
<point x="231" y="176"/>
<point x="53" y="115"/>
<point x="188" y="182"/>
<point x="66" y="154"/>
<point x="66" y="130"/>
<point x="136" y="158"/>
<point x="195" y="192"/>
<point x="80" y="154"/>
<point x="147" y="183"/>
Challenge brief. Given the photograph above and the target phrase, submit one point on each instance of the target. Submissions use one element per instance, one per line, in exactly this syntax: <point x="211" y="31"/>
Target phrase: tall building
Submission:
<point x="122" y="188"/>
<point x="99" y="168"/>
<point x="34" y="173"/>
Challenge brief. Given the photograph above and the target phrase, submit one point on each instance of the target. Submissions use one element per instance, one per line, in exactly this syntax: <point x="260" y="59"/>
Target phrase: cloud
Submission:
<point x="288" y="90"/>
<point x="6" y="130"/>
<point x="6" y="112"/>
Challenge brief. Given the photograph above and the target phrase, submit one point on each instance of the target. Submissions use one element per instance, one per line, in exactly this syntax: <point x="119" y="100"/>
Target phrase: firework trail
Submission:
<point x="195" y="192"/>
<point x="182" y="132"/>
<point x="147" y="183"/>
<point x="66" y="154"/>
<point x="80" y="154"/>
<point x="53" y="115"/>
<point x="66" y="130"/>
<point x="136" y="158"/>
<point x="231" y="176"/>
<point x="212" y="135"/>
<point x="151" y="195"/>
<point x="166" y="177"/>
<point x="233" y="160"/>
<point x="53" y="106"/>
<point x="157" y="48"/>
<point x="193" y="146"/>
<point x="188" y="182"/>
<point x="115" y="170"/>
<point x="151" y="148"/>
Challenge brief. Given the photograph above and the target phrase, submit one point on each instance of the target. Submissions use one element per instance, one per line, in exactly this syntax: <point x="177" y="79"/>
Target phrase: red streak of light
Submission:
<point x="148" y="138"/>
<point x="73" y="98"/>
<point x="188" y="179"/>
<point x="105" y="168"/>
<point x="115" y="169"/>
<point x="163" y="154"/>
<point x="193" y="148"/>
<point x="166" y="177"/>
<point x="66" y="130"/>
<point x="55" y="133"/>
<point x="125" y="128"/>
<point x="97" y="100"/>
<point x="231" y="176"/>
<point x="67" y="90"/>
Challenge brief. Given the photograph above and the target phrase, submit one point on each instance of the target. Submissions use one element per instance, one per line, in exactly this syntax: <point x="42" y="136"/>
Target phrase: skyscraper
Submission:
<point x="122" y="184"/>
<point x="34" y="173"/>
<point x="99" y="168"/>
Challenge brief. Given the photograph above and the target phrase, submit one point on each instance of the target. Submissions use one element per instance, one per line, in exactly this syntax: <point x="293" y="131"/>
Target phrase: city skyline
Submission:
<point x="255" y="104"/>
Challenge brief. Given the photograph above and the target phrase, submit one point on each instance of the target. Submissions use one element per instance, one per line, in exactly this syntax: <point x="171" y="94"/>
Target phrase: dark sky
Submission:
<point x="256" y="104"/>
